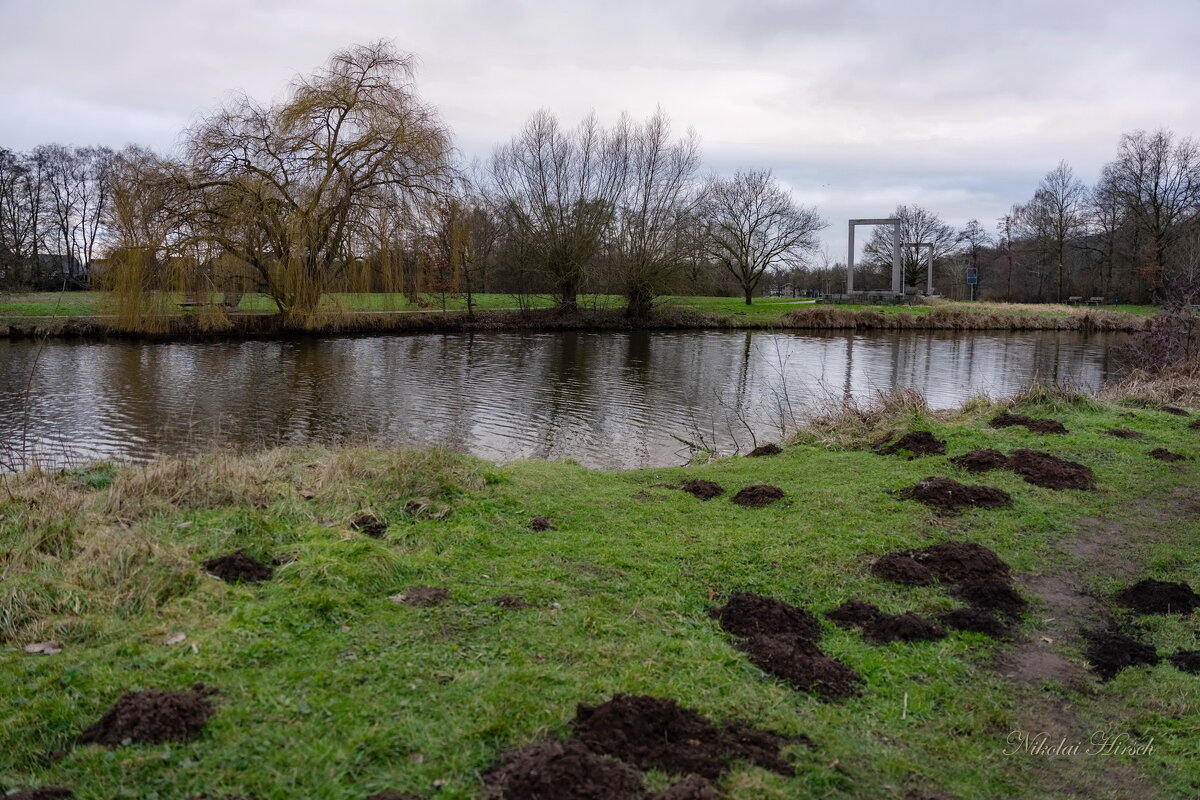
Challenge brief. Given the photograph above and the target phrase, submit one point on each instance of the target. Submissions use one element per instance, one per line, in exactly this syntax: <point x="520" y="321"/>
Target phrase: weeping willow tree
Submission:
<point x="290" y="191"/>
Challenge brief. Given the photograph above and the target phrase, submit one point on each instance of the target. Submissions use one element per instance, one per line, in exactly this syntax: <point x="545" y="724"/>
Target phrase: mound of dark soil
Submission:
<point x="1041" y="425"/>
<point x="748" y="614"/>
<point x="992" y="595"/>
<point x="653" y="733"/>
<point x="1125" y="433"/>
<point x="565" y="770"/>
<point x="1046" y="426"/>
<point x="509" y="601"/>
<point x="975" y="620"/>
<point x="540" y="523"/>
<point x="704" y="490"/>
<point x="758" y="496"/>
<point x="919" y="443"/>
<point x="1194" y="424"/>
<point x="1159" y="597"/>
<point x="981" y="460"/>
<point x="423" y="596"/>
<point x="1162" y="454"/>
<point x="902" y="568"/>
<point x="152" y="717"/>
<point x="238" y="568"/>
<point x="803" y="665"/>
<point x="1050" y="471"/>
<point x="950" y="496"/>
<point x="1179" y="412"/>
<point x="369" y="524"/>
<point x="45" y="793"/>
<point x="769" y="449"/>
<point x="854" y="613"/>
<point x="962" y="562"/>
<point x="1109" y="652"/>
<point x="1187" y="660"/>
<point x="693" y="787"/>
<point x="388" y="794"/>
<point x="906" y="627"/>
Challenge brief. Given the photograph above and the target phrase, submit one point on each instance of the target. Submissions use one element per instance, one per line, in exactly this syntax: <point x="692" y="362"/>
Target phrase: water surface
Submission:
<point x="607" y="400"/>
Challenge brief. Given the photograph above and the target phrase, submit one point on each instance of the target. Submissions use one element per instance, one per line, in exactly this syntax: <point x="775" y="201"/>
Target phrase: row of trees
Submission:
<point x="351" y="183"/>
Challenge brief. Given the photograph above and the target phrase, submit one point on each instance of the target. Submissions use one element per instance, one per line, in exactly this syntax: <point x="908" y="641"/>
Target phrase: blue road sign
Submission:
<point x="972" y="276"/>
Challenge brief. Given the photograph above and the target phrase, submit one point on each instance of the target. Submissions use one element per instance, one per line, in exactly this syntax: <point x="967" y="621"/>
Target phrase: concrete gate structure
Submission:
<point x="897" y="278"/>
<point x="928" y="263"/>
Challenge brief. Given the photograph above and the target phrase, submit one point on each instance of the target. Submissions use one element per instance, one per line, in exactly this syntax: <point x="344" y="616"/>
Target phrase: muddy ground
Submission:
<point x="238" y="567"/>
<point x="950" y="497"/>
<point x="152" y="717"/>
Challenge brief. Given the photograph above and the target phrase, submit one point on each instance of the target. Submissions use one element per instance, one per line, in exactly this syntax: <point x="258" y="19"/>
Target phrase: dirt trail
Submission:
<point x="1056" y="690"/>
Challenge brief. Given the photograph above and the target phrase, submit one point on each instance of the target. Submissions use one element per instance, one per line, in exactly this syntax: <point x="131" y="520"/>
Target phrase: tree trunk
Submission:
<point x="749" y="295"/>
<point x="639" y="304"/>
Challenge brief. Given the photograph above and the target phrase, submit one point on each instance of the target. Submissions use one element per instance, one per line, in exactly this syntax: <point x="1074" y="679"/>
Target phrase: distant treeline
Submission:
<point x="352" y="183"/>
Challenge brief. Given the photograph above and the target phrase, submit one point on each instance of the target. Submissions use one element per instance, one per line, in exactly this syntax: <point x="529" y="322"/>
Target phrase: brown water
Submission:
<point x="607" y="400"/>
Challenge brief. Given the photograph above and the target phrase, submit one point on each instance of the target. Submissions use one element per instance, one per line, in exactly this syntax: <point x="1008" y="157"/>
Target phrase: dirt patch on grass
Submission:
<point x="41" y="793"/>
<point x="854" y="613"/>
<point x="1125" y="433"/>
<point x="949" y="496"/>
<point x="981" y="460"/>
<point x="388" y="794"/>
<point x="748" y="614"/>
<point x="1049" y="471"/>
<point x="369" y="524"/>
<point x="1111" y="651"/>
<point x="509" y="601"/>
<point x="152" y="717"/>
<point x="1195" y="425"/>
<point x="906" y="627"/>
<point x="1163" y="454"/>
<point x="992" y="595"/>
<point x="238" y="568"/>
<point x="422" y="596"/>
<point x="1187" y="661"/>
<point x="975" y="620"/>
<point x="799" y="662"/>
<point x="1034" y="425"/>
<point x="653" y="733"/>
<point x="693" y="787"/>
<point x="962" y="562"/>
<point x="902" y="568"/>
<point x="540" y="524"/>
<point x="1159" y="597"/>
<point x="703" y="490"/>
<point x="769" y="449"/>
<point x="565" y="770"/>
<point x="918" y="443"/>
<point x="1179" y="412"/>
<point x="758" y="496"/>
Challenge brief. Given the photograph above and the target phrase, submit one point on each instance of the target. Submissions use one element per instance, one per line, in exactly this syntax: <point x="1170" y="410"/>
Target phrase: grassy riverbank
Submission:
<point x="92" y="314"/>
<point x="327" y="688"/>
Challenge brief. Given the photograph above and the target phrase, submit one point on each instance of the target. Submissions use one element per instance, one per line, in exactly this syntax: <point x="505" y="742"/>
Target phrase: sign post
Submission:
<point x="972" y="280"/>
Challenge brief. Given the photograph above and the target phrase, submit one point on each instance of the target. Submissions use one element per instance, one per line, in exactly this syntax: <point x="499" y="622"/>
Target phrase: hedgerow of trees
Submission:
<point x="350" y="183"/>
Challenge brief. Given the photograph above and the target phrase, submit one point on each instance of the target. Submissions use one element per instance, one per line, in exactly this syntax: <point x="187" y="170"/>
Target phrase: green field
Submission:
<point x="327" y="689"/>
<point x="763" y="310"/>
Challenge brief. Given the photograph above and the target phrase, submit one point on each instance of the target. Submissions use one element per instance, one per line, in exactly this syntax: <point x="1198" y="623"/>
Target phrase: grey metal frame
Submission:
<point x="897" y="284"/>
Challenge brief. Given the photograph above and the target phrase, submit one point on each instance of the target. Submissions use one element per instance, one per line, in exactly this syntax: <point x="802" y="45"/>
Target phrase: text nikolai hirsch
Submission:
<point x="1101" y="743"/>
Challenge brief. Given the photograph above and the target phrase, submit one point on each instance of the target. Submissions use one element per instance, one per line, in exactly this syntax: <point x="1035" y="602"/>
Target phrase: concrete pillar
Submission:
<point x="929" y="273"/>
<point x="850" y="261"/>
<point x="897" y="277"/>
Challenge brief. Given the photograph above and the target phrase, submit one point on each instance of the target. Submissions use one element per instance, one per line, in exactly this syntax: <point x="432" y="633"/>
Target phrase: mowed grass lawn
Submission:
<point x="763" y="309"/>
<point x="328" y="689"/>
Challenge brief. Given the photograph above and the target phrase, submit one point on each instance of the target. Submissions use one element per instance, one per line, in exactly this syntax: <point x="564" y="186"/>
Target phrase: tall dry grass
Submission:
<point x="961" y="319"/>
<point x="84" y="546"/>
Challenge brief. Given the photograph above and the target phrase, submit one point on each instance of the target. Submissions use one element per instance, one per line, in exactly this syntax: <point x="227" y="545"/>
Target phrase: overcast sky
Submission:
<point x="958" y="105"/>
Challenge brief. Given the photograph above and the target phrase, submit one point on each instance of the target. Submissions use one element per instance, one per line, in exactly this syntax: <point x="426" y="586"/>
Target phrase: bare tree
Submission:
<point x="1157" y="180"/>
<point x="76" y="194"/>
<point x="917" y="224"/>
<point x="283" y="188"/>
<point x="974" y="240"/>
<point x="556" y="192"/>
<point x="651" y="242"/>
<point x="21" y="228"/>
<point x="752" y="224"/>
<point x="1056" y="217"/>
